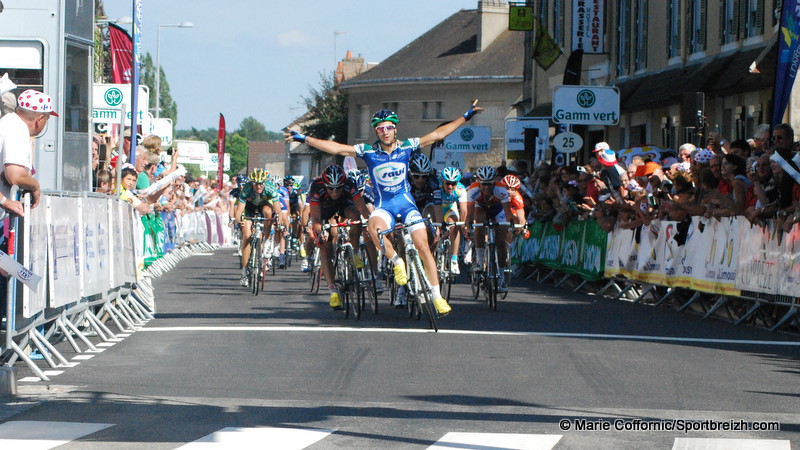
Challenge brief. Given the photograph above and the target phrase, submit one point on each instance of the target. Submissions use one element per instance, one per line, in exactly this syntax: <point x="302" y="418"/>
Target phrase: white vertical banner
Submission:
<point x="117" y="243"/>
<point x="650" y="255"/>
<point x="133" y="243"/>
<point x="588" y="26"/>
<point x="36" y="232"/>
<point x="758" y="268"/>
<point x="674" y="256"/>
<point x="212" y="230"/>
<point x="790" y="262"/>
<point x="96" y="278"/>
<point x="65" y="251"/>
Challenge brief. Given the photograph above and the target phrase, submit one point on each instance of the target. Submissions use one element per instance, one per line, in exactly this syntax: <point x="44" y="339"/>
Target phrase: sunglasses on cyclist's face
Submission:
<point x="333" y="188"/>
<point x="385" y="128"/>
<point x="449" y="183"/>
<point x="419" y="176"/>
<point x="487" y="184"/>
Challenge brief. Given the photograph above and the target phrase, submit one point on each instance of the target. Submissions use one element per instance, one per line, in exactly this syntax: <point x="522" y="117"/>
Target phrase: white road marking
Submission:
<point x="489" y="441"/>
<point x="730" y="444"/>
<point x="627" y="337"/>
<point x="40" y="435"/>
<point x="257" y="438"/>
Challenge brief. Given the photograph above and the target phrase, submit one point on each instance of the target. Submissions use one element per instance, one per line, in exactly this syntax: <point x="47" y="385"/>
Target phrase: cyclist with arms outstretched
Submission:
<point x="256" y="198"/>
<point x="387" y="160"/>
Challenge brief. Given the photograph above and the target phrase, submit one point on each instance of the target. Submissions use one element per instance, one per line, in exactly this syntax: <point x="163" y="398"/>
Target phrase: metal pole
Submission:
<point x="158" y="72"/>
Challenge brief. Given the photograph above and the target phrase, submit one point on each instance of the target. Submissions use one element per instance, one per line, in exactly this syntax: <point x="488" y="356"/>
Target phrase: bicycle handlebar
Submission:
<point x="447" y="224"/>
<point x="328" y="226"/>
<point x="401" y="226"/>
<point x="501" y="224"/>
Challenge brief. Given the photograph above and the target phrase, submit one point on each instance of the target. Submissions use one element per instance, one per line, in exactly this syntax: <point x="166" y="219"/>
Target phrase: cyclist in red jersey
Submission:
<point x="486" y="200"/>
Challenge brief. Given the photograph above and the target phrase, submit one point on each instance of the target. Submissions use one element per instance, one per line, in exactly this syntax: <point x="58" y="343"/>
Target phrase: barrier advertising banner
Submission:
<point x="579" y="249"/>
<point x="36" y="233"/>
<point x="66" y="257"/>
<point x="96" y="278"/>
<point x="769" y="260"/>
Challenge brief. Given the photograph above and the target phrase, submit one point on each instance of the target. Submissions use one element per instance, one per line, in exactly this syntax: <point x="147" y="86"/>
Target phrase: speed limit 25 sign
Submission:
<point x="568" y="142"/>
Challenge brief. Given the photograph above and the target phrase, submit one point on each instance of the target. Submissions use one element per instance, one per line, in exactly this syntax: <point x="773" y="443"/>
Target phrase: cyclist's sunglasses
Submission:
<point x="419" y="175"/>
<point x="334" y="188"/>
<point x="385" y="128"/>
<point x="450" y="183"/>
<point x="487" y="184"/>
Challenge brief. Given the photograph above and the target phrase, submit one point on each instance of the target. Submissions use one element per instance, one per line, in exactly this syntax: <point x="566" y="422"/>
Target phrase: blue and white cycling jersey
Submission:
<point x="388" y="173"/>
<point x="283" y="197"/>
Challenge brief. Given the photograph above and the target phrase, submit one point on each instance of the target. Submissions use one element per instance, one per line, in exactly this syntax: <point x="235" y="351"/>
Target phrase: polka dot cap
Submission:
<point x="36" y="101"/>
<point x="703" y="156"/>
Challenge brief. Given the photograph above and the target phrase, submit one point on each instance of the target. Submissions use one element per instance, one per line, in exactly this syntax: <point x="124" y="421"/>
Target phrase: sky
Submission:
<point x="248" y="58"/>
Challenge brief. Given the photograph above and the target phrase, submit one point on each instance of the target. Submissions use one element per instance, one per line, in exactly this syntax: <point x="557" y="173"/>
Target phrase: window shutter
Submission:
<point x="678" y="34"/>
<point x="561" y="21"/>
<point x="689" y="31"/>
<point x="722" y="22"/>
<point x="643" y="32"/>
<point x="759" y="25"/>
<point x="743" y="7"/>
<point x="702" y="32"/>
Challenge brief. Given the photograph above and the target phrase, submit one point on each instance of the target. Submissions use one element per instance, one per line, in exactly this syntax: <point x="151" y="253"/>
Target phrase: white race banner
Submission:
<point x="96" y="279"/>
<point x="36" y="256"/>
<point x="65" y="251"/>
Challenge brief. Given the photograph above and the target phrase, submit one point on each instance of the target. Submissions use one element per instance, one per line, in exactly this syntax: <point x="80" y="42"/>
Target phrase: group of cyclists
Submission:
<point x="398" y="184"/>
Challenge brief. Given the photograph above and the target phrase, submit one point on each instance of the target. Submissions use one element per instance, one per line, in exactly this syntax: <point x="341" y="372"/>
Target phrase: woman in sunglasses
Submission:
<point x="387" y="160"/>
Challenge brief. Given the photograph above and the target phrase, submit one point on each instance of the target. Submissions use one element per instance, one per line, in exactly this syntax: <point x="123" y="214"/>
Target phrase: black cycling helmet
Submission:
<point x="288" y="180"/>
<point x="384" y="115"/>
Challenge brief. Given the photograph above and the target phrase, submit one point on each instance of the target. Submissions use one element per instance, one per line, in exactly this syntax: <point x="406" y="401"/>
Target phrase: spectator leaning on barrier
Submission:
<point x="17" y="131"/>
<point x="761" y="196"/>
<point x="787" y="176"/>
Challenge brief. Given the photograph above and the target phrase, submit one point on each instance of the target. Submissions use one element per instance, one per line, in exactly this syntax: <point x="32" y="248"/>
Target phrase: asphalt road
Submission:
<point x="549" y="369"/>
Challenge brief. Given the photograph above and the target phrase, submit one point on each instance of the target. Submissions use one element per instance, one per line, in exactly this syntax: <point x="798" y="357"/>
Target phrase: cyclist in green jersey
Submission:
<point x="256" y="198"/>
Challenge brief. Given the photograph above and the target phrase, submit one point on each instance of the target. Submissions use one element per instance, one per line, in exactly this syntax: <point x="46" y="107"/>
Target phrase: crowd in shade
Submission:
<point x="758" y="178"/>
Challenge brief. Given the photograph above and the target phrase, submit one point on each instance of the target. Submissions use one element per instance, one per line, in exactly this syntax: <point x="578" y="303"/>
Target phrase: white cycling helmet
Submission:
<point x="485" y="174"/>
<point x="419" y="164"/>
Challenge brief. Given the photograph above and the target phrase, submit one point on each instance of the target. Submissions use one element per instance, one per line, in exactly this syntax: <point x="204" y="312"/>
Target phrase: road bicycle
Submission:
<point x="346" y="277"/>
<point x="368" y="275"/>
<point x="487" y="278"/>
<point x="314" y="273"/>
<point x="418" y="288"/>
<point x="256" y="265"/>
<point x="443" y="255"/>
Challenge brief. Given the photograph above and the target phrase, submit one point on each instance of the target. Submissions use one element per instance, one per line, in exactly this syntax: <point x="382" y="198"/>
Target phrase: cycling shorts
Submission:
<point x="251" y="210"/>
<point x="400" y="205"/>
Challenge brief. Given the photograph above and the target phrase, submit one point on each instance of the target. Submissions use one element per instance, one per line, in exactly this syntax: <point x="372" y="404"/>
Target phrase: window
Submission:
<point x="754" y="17"/>
<point x="674" y="28"/>
<point x="696" y="28"/>
<point x="77" y="92"/>
<point x="642" y="23"/>
<point x="24" y="63"/>
<point x="558" y="22"/>
<point x="728" y="23"/>
<point x="432" y="110"/>
<point x="623" y="36"/>
<point x="391" y="106"/>
<point x="364" y="122"/>
<point x="543" y="10"/>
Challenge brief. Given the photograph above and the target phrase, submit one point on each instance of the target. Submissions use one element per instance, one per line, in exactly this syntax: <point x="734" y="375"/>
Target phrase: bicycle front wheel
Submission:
<point x="254" y="266"/>
<point x="475" y="280"/>
<point x="424" y="295"/>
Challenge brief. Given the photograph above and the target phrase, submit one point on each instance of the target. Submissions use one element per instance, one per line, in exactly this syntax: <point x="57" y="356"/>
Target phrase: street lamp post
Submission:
<point x="158" y="60"/>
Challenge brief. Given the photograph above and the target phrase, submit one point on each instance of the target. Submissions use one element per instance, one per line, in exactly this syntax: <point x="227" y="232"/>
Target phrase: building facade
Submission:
<point x="669" y="59"/>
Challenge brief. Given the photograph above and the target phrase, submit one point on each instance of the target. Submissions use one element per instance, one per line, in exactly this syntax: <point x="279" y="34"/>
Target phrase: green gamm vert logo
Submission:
<point x="586" y="98"/>
<point x="113" y="97"/>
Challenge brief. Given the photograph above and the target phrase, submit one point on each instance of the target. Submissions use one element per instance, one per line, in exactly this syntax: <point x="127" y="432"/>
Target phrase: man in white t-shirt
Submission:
<point x="17" y="131"/>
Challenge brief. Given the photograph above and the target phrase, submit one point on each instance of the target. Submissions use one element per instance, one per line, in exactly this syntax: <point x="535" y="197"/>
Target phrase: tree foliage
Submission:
<point x="327" y="110"/>
<point x="148" y="78"/>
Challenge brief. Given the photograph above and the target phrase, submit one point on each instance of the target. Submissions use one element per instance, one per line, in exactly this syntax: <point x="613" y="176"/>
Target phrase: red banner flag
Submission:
<point x="121" y="49"/>
<point x="220" y="150"/>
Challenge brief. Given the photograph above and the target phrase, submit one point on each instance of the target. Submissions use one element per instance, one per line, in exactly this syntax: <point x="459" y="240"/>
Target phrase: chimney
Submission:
<point x="494" y="20"/>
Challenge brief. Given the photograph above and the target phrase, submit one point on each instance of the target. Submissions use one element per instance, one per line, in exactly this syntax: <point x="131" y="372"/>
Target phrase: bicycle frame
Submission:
<point x="419" y="288"/>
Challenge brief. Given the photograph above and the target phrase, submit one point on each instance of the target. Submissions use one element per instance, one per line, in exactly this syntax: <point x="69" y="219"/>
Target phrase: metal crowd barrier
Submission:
<point x="725" y="268"/>
<point x="88" y="249"/>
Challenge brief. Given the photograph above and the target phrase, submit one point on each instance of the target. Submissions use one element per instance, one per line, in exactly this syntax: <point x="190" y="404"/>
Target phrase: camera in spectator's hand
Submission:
<point x="170" y="150"/>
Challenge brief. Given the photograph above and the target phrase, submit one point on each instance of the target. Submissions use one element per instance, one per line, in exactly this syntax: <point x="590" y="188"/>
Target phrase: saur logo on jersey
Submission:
<point x="390" y="174"/>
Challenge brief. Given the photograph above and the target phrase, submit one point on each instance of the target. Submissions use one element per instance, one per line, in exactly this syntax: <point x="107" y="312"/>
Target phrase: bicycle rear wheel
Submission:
<point x="475" y="280"/>
<point x="354" y="284"/>
<point x="491" y="278"/>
